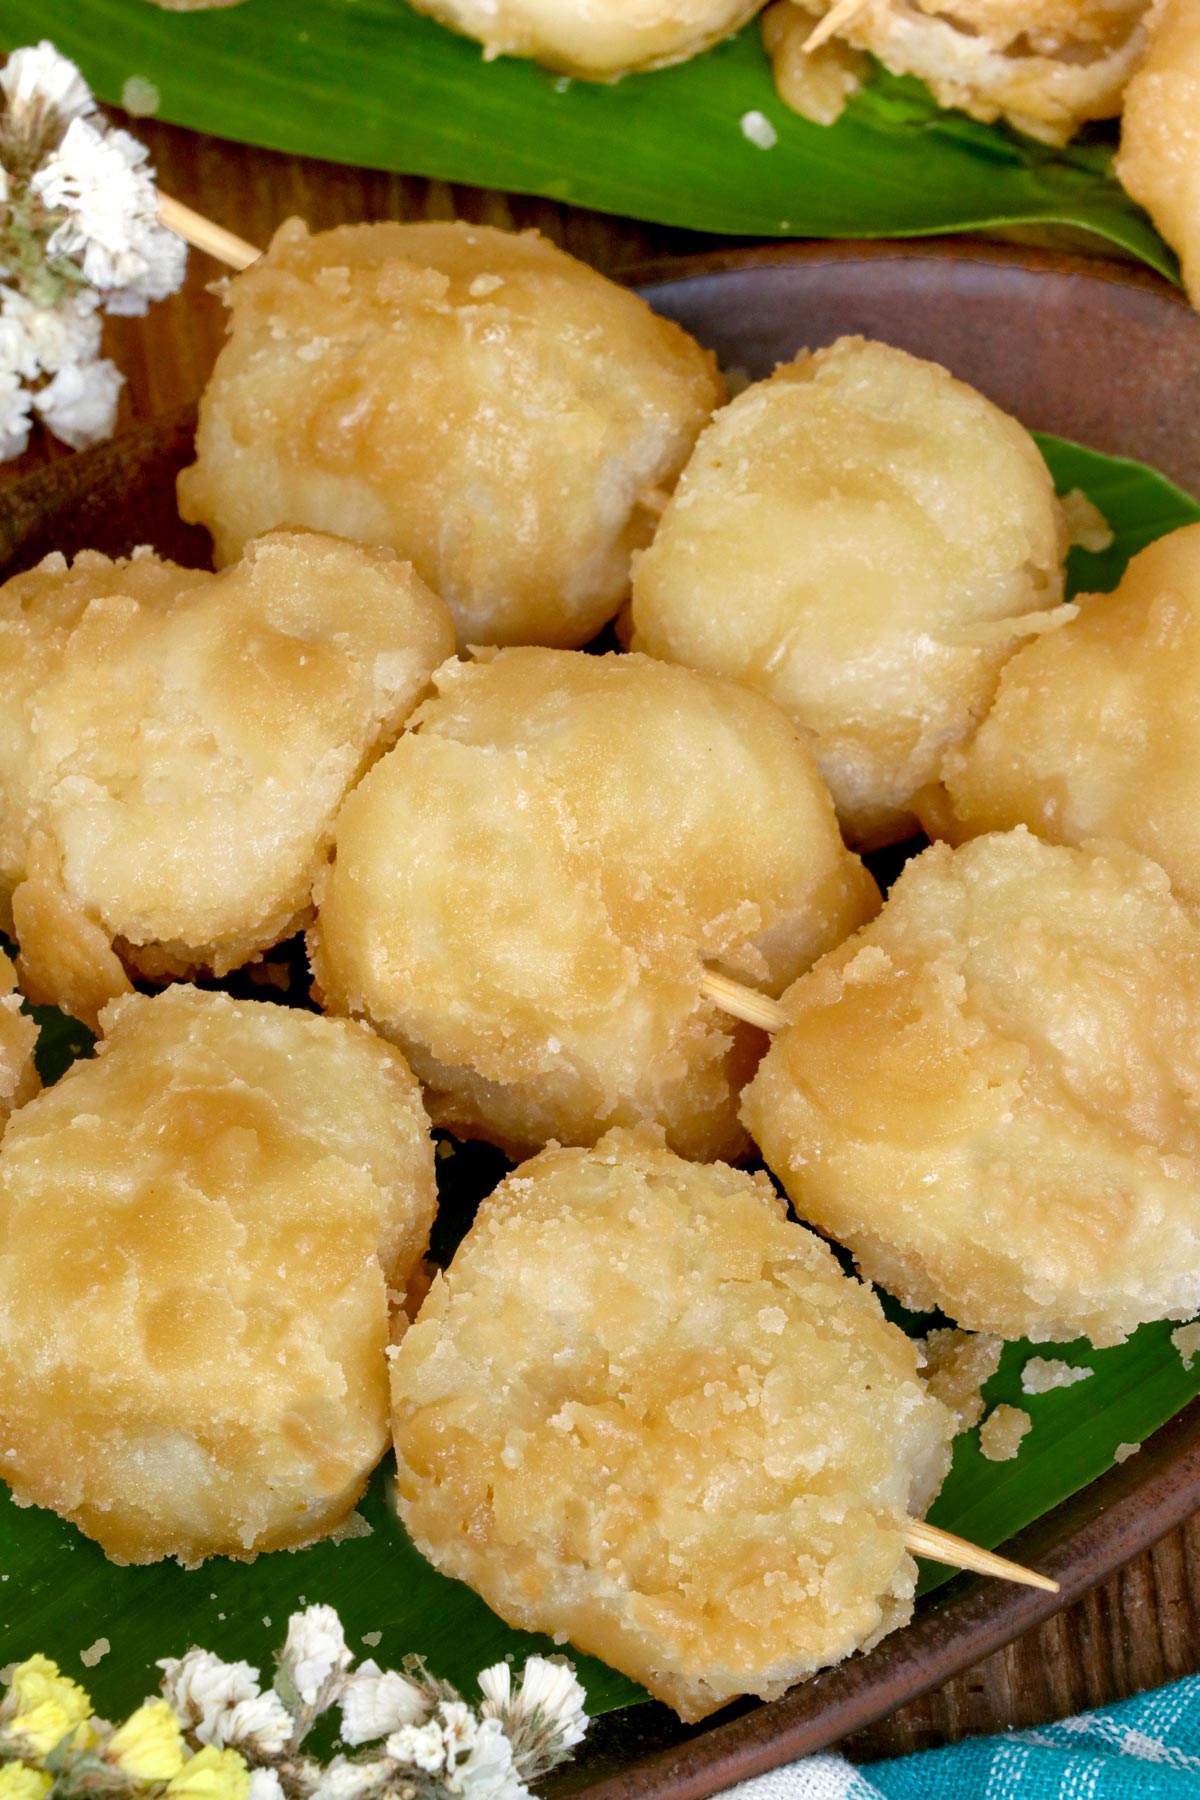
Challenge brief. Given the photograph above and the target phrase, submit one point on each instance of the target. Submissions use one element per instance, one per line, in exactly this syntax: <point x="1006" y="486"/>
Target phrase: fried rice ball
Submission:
<point x="486" y="404"/>
<point x="594" y="42"/>
<point x="526" y="890"/>
<point x="1095" y="730"/>
<point x="18" y="1037"/>
<point x="1159" y="158"/>
<point x="644" y="1411"/>
<point x="200" y="1234"/>
<point x="174" y="746"/>
<point x="864" y="539"/>
<point x="991" y="1095"/>
<point x="1047" y="66"/>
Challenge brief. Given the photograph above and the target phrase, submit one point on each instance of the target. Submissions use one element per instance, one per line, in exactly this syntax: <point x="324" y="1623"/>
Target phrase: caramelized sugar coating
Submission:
<point x="597" y="42"/>
<point x="814" y="83"/>
<point x="200" y="1234"/>
<point x="526" y="890"/>
<point x="1095" y="730"/>
<point x="991" y="1095"/>
<point x="644" y="1411"/>
<point x="18" y="1036"/>
<point x="865" y="539"/>
<point x="174" y="746"/>
<point x="1047" y="66"/>
<point x="479" y="400"/>
<point x="1159" y="159"/>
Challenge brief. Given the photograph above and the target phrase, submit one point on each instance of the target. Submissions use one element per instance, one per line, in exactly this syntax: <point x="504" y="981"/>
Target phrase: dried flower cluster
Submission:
<point x="79" y="237"/>
<point x="216" y="1735"/>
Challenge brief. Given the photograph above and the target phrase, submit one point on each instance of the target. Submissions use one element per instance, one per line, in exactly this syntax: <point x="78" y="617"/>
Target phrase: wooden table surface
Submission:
<point x="1143" y="1626"/>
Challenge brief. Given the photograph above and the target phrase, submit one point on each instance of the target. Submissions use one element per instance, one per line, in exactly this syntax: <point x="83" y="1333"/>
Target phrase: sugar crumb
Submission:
<point x="758" y="129"/>
<point x="957" y="1363"/>
<point x="353" y="1527"/>
<point x="1042" y="1373"/>
<point x="1187" y="1341"/>
<point x="1123" y="1452"/>
<point x="140" y="97"/>
<point x="91" y="1656"/>
<point x="1001" y="1433"/>
<point x="1086" y="524"/>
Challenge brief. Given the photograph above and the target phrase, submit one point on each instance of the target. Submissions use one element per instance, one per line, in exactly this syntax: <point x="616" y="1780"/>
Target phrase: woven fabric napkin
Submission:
<point x="1146" y="1748"/>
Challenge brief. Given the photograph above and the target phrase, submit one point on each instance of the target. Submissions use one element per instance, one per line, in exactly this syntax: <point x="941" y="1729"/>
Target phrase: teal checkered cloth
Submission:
<point x="1147" y="1748"/>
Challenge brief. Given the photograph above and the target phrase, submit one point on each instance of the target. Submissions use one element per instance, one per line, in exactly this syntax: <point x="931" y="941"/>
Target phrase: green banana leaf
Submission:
<point x="59" y="1595"/>
<point x="371" y="82"/>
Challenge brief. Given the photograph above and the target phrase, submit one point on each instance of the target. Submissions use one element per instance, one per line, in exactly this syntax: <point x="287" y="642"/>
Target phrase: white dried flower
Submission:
<point x="15" y="402"/>
<point x="544" y="1718"/>
<point x="222" y="1704"/>
<point x="79" y="234"/>
<point x="161" y="258"/>
<point x="376" y="1701"/>
<point x="489" y="1772"/>
<point x="53" y="335"/>
<point x="549" y="1687"/>
<point x="17" y="353"/>
<point x="40" y="78"/>
<point x="344" y="1780"/>
<point x="259" y="1726"/>
<point x="102" y="181"/>
<point x="315" y="1651"/>
<point x="200" y="1686"/>
<point x="421" y="1745"/>
<point x="495" y="1684"/>
<point x="265" y="1785"/>
<point x="80" y="404"/>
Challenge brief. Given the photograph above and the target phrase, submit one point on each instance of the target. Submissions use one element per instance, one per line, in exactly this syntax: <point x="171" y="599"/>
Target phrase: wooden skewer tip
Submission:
<point x="929" y="1541"/>
<point x="743" y="1002"/>
<point x="225" y="246"/>
<point x="834" y="19"/>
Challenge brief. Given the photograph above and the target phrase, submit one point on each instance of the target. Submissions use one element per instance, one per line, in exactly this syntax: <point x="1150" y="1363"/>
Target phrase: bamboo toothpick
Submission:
<point x="939" y="1546"/>
<point x="837" y="16"/>
<point x="743" y="1002"/>
<point x="204" y="235"/>
<point x="921" y="1538"/>
<point x="731" y="996"/>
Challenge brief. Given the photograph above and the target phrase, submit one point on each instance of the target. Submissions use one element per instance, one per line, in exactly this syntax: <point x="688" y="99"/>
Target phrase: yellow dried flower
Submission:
<point x="46" y="1706"/>
<point x="149" y="1745"/>
<point x="210" y="1775"/>
<point x="17" y="1782"/>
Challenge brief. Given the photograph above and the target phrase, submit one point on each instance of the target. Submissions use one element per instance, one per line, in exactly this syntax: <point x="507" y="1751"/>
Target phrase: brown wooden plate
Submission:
<point x="1095" y="351"/>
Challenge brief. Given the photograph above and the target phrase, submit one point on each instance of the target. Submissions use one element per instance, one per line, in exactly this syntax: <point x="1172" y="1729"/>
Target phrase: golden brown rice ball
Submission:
<point x="18" y="1037"/>
<point x="594" y="41"/>
<point x="643" y="1411"/>
<point x="991" y="1095"/>
<point x="864" y="539"/>
<point x="479" y="400"/>
<point x="174" y="746"/>
<point x="527" y="888"/>
<point x="1159" y="158"/>
<point x="198" y="1235"/>
<point x="1095" y="730"/>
